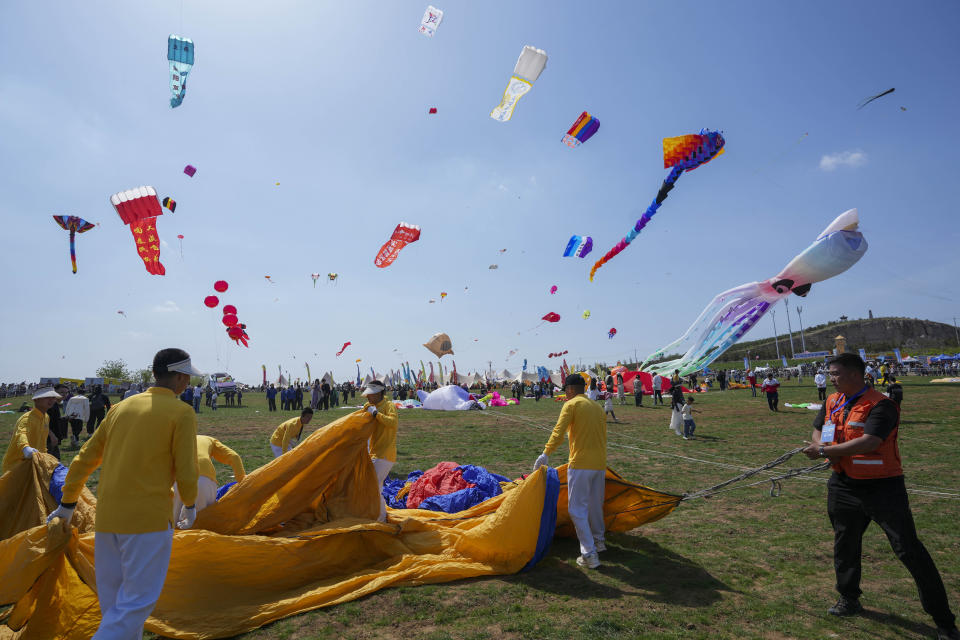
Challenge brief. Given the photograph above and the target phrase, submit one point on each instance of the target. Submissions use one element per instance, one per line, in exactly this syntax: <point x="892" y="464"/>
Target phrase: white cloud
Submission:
<point x="167" y="307"/>
<point x="831" y="161"/>
<point x="502" y="187"/>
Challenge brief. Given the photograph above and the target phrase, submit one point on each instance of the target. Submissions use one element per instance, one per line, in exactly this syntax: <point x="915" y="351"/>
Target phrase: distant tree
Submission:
<point x="114" y="369"/>
<point x="144" y="376"/>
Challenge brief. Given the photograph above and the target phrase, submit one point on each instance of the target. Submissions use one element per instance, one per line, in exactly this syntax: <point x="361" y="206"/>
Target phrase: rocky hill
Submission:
<point x="873" y="334"/>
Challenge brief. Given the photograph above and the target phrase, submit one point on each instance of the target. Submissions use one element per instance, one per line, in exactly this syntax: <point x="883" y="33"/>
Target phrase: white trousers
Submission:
<point x="382" y="468"/>
<point x="130" y="569"/>
<point x="676" y="422"/>
<point x="585" y="494"/>
<point x="206" y="496"/>
<point x="278" y="451"/>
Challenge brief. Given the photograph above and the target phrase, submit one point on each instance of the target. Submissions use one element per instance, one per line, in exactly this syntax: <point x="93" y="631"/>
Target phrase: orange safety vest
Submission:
<point x="882" y="463"/>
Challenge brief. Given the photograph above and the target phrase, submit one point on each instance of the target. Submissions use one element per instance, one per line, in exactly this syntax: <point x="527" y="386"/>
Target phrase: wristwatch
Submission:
<point x="822" y="454"/>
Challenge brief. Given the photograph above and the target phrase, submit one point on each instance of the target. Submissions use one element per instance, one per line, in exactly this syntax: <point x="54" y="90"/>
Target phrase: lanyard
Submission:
<point x="848" y="402"/>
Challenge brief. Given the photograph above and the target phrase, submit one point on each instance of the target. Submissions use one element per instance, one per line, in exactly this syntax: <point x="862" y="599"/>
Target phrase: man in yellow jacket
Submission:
<point x="208" y="450"/>
<point x="287" y="435"/>
<point x="383" y="441"/>
<point x="145" y="443"/>
<point x="30" y="434"/>
<point x="583" y="421"/>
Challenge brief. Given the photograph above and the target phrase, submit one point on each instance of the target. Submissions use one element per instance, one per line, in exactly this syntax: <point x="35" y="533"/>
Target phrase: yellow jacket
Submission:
<point x="383" y="442"/>
<point x="209" y="449"/>
<point x="586" y="424"/>
<point x="145" y="443"/>
<point x="282" y="435"/>
<point x="31" y="431"/>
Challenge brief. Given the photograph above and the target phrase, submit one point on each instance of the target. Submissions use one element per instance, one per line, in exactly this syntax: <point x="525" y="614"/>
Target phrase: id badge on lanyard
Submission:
<point x="827" y="432"/>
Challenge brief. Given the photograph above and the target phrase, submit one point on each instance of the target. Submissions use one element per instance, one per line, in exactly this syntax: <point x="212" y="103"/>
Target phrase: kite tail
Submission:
<point x="73" y="252"/>
<point x="642" y="222"/>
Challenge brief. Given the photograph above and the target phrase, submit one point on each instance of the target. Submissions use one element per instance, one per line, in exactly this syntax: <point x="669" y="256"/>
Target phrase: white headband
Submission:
<point x="184" y="366"/>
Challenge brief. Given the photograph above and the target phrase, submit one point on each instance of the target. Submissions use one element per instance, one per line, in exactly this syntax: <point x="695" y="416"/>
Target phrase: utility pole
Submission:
<point x="773" y="316"/>
<point x="803" y="343"/>
<point x="789" y="329"/>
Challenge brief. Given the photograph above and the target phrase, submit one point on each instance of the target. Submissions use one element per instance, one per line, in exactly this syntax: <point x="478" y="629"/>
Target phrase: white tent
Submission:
<point x="525" y="376"/>
<point x="504" y="375"/>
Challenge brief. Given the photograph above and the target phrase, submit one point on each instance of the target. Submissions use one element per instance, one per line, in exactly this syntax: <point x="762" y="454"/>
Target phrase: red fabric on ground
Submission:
<point x="439" y="481"/>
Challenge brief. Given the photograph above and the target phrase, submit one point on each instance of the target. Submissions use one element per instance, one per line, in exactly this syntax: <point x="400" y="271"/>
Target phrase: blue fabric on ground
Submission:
<point x="222" y="491"/>
<point x="56" y="482"/>
<point x="548" y="518"/>
<point x="487" y="481"/>
<point x="391" y="487"/>
<point x="456" y="501"/>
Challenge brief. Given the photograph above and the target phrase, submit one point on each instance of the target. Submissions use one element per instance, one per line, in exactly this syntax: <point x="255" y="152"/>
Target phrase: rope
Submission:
<point x="748" y="472"/>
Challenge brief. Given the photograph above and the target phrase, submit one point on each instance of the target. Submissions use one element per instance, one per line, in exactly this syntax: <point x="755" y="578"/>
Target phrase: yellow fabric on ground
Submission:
<point x="296" y="534"/>
<point x="25" y="499"/>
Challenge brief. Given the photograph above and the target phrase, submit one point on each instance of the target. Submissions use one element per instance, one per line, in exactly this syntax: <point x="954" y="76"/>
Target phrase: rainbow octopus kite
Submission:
<point x="734" y="312"/>
<point x="139" y="208"/>
<point x="683" y="153"/>
<point x="74" y="225"/>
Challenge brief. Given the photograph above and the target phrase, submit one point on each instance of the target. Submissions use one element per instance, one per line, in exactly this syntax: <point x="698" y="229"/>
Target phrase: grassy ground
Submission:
<point x="738" y="565"/>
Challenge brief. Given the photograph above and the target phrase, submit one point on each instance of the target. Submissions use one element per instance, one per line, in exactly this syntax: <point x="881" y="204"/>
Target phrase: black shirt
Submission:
<point x="880" y="421"/>
<point x="896" y="392"/>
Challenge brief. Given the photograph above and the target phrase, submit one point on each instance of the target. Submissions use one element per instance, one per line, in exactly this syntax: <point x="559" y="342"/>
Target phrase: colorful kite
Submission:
<point x="170" y="203"/>
<point x="586" y="314"/>
<point x="220" y="286"/>
<point x="344" y="348"/>
<point x="180" y="239"/>
<point x="332" y="277"/>
<point x="432" y="111"/>
<point x="443" y="294"/>
<point x="211" y="301"/>
<point x="139" y="208"/>
<point x="553" y="289"/>
<point x="403" y="235"/>
<point x="551" y="317"/>
<point x="122" y="313"/>
<point x="439" y="345"/>
<point x="867" y="101"/>
<point x="190" y="170"/>
<point x="270" y="280"/>
<point x="734" y="312"/>
<point x="315" y="276"/>
<point x="581" y="131"/>
<point x="578" y="247"/>
<point x="180" y="55"/>
<point x="529" y="66"/>
<point x="493" y="266"/>
<point x="611" y="333"/>
<point x="430" y="21"/>
<point x="683" y="153"/>
<point x="558" y="354"/>
<point x="74" y="225"/>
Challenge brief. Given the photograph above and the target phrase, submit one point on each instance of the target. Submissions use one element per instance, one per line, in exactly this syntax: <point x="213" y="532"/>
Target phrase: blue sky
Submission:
<point x="331" y="100"/>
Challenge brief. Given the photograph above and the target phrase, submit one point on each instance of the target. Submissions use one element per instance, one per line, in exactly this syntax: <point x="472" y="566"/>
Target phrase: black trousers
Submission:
<point x="657" y="395"/>
<point x="96" y="417"/>
<point x="76" y="425"/>
<point x="638" y="399"/>
<point x="822" y="393"/>
<point x="772" y="400"/>
<point x="271" y="404"/>
<point x="851" y="508"/>
<point x="325" y="403"/>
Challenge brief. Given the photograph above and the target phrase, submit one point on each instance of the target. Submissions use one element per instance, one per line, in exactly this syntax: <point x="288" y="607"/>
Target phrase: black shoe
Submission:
<point x="845" y="607"/>
<point x="944" y="633"/>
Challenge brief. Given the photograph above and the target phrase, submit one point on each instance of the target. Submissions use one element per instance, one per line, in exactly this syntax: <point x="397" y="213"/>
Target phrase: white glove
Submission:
<point x="62" y="512"/>
<point x="187" y="517"/>
<point x="372" y="410"/>
<point x="28" y="452"/>
<point x="542" y="460"/>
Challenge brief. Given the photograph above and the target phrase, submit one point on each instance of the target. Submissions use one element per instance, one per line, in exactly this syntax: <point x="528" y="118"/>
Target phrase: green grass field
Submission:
<point x="738" y="565"/>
